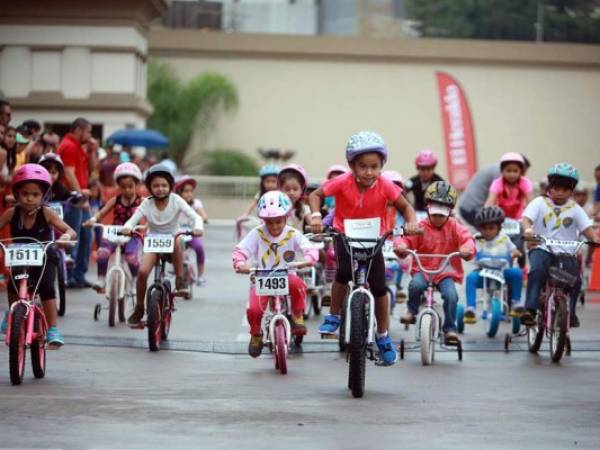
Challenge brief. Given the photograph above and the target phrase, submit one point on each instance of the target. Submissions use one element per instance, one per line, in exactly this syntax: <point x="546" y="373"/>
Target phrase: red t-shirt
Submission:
<point x="73" y="155"/>
<point x="351" y="203"/>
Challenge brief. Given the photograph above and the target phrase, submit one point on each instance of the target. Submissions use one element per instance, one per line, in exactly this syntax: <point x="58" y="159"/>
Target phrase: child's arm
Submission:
<point x="406" y="209"/>
<point x="202" y="213"/>
<point x="466" y="241"/>
<point x="52" y="219"/>
<point x="239" y="261"/>
<point x="589" y="235"/>
<point x="103" y="212"/>
<point x="6" y="217"/>
<point x="192" y="215"/>
<point x="315" y="200"/>
<point x="135" y="218"/>
<point x="251" y="207"/>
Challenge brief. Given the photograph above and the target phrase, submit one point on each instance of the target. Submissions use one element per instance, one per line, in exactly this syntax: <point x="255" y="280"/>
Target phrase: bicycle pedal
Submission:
<point x="329" y="336"/>
<point x="139" y="326"/>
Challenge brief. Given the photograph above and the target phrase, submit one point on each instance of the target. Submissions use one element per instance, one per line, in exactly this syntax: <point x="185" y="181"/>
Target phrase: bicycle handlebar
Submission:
<point x="551" y="243"/>
<point x="445" y="260"/>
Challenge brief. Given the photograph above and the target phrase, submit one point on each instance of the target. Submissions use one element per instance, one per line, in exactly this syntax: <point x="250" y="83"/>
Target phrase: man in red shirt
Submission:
<point x="77" y="169"/>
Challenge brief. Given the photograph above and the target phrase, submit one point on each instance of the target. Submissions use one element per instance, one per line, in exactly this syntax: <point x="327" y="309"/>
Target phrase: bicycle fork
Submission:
<point x="371" y="326"/>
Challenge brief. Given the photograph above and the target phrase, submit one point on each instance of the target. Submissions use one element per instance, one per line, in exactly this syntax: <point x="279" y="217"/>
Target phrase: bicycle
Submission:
<point x="554" y="316"/>
<point x="429" y="321"/>
<point x="190" y="264"/>
<point x="26" y="325"/>
<point x="119" y="281"/>
<point x="160" y="298"/>
<point x="357" y="329"/>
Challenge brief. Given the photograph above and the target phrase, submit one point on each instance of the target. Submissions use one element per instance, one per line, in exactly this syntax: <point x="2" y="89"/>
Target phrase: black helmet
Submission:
<point x="156" y="170"/>
<point x="489" y="214"/>
<point x="49" y="159"/>
<point x="441" y="192"/>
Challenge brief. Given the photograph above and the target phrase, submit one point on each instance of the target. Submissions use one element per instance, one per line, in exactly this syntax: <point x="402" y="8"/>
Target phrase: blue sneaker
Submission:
<point x="4" y="325"/>
<point x="387" y="353"/>
<point x="54" y="337"/>
<point x="331" y="324"/>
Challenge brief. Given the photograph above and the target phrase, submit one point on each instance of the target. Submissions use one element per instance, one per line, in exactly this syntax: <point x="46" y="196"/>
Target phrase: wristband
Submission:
<point x="316" y="214"/>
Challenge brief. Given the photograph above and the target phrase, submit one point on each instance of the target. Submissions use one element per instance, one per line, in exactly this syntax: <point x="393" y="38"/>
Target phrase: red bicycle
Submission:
<point x="26" y="326"/>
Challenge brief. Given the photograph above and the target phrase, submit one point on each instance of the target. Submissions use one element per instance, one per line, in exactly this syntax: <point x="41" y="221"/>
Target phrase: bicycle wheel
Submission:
<point x="281" y="348"/>
<point x="493" y="318"/>
<point x="558" y="332"/>
<point x="358" y="344"/>
<point x="16" y="347"/>
<point x="535" y="334"/>
<point x="60" y="281"/>
<point x="166" y="317"/>
<point x="113" y="297"/>
<point x="153" y="319"/>
<point x="427" y="341"/>
<point x="38" y="349"/>
<point x="316" y="304"/>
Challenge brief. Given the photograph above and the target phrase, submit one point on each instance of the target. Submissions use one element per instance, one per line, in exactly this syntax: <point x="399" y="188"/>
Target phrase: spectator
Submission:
<point x="108" y="166"/>
<point x="77" y="169"/>
<point x="476" y="192"/>
<point x="34" y="128"/>
<point x="10" y="145"/>
<point x="5" y="113"/>
<point x="51" y="141"/>
<point x="22" y="147"/>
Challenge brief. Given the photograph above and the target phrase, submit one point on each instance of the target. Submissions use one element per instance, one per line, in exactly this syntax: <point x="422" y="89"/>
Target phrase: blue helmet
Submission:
<point x="365" y="142"/>
<point x="563" y="174"/>
<point x="268" y="170"/>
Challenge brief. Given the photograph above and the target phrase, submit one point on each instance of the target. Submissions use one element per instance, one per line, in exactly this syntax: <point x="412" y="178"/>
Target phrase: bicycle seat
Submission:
<point x="561" y="278"/>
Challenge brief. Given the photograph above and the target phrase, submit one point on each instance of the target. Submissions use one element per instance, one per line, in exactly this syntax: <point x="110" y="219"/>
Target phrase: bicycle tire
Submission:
<point x="38" y="349"/>
<point x="281" y="348"/>
<point x="558" y="334"/>
<point x="426" y="339"/>
<point x="358" y="344"/>
<point x="535" y="334"/>
<point x="153" y="319"/>
<point x="17" y="349"/>
<point x="493" y="318"/>
<point x="113" y="297"/>
<point x="166" y="317"/>
<point x="60" y="278"/>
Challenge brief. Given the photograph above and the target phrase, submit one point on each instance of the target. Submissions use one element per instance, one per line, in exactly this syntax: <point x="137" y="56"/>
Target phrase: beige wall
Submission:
<point x="310" y="94"/>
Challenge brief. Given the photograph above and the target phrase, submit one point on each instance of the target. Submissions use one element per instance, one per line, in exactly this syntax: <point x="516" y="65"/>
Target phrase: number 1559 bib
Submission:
<point x="159" y="243"/>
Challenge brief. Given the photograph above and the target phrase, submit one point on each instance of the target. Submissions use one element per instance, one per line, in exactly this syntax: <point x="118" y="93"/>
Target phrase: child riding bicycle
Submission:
<point x="362" y="194"/>
<point x="443" y="235"/>
<point x="272" y="245"/>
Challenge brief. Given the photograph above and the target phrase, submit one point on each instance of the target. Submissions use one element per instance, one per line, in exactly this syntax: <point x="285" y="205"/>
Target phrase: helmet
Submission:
<point x="185" y="179"/>
<point x="156" y="170"/>
<point x="563" y="174"/>
<point x="31" y="172"/>
<point x="393" y="176"/>
<point x="268" y="170"/>
<point x="489" y="214"/>
<point x="296" y="168"/>
<point x="365" y="142"/>
<point x="580" y="187"/>
<point x="441" y="192"/>
<point x="512" y="157"/>
<point x="336" y="168"/>
<point x="274" y="204"/>
<point x="128" y="170"/>
<point x="52" y="158"/>
<point x="426" y="158"/>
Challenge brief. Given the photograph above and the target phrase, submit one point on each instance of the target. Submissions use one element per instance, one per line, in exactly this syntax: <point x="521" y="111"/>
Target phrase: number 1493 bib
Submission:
<point x="271" y="282"/>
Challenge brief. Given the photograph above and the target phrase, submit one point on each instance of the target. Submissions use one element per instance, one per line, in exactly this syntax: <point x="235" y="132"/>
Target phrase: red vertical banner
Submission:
<point x="458" y="131"/>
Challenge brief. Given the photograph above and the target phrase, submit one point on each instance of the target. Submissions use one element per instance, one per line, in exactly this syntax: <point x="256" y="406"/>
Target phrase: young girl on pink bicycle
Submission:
<point x="270" y="246"/>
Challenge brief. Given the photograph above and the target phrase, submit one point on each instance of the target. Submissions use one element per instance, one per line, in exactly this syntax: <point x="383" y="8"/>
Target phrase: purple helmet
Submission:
<point x="365" y="142"/>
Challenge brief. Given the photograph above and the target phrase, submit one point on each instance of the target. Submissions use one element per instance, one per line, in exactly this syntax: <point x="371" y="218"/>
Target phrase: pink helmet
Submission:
<point x="336" y="168"/>
<point x="299" y="170"/>
<point x="128" y="169"/>
<point x="393" y="176"/>
<point x="31" y="172"/>
<point x="426" y="158"/>
<point x="185" y="179"/>
<point x="274" y="204"/>
<point x="512" y="157"/>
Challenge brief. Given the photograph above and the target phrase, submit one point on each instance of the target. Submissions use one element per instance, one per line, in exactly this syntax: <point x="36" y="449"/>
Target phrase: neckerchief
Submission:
<point x="556" y="211"/>
<point x="273" y="247"/>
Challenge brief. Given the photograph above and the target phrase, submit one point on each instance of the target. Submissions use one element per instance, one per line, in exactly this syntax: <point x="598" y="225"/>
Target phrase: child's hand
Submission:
<point x="516" y="254"/>
<point x="466" y="252"/>
<point x="126" y="231"/>
<point x="90" y="222"/>
<point x="242" y="268"/>
<point x="197" y="232"/>
<point x="316" y="224"/>
<point x="528" y="233"/>
<point x="64" y="238"/>
<point x="400" y="249"/>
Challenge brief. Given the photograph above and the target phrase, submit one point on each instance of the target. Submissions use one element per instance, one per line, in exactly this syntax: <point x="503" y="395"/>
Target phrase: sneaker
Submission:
<point x="387" y="353"/>
<point x="100" y="286"/>
<point x="450" y="337"/>
<point x="470" y="316"/>
<point x="575" y="321"/>
<point x="408" y="318"/>
<point x="136" y="317"/>
<point x="330" y="325"/>
<point x="255" y="346"/>
<point x="181" y="289"/>
<point x="528" y="318"/>
<point x="4" y="325"/>
<point x="55" y="338"/>
<point x="517" y="309"/>
<point x="298" y="327"/>
<point x="201" y="281"/>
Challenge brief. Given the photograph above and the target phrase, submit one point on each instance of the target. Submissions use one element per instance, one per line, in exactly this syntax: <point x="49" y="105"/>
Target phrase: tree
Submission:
<point x="181" y="110"/>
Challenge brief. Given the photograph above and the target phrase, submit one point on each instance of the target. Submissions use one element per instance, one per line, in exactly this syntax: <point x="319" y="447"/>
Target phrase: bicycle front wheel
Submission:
<point x="281" y="348"/>
<point x="113" y="297"/>
<point x="38" y="349"/>
<point x="358" y="344"/>
<point x="60" y="281"/>
<point x="427" y="339"/>
<point x="153" y="318"/>
<point x="17" y="344"/>
<point x="558" y="332"/>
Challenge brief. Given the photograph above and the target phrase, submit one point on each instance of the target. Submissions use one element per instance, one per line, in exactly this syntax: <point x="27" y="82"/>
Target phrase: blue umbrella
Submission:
<point x="135" y="137"/>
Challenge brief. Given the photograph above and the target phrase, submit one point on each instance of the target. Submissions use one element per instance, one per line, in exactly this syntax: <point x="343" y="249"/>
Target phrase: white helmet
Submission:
<point x="274" y="204"/>
<point x="128" y="169"/>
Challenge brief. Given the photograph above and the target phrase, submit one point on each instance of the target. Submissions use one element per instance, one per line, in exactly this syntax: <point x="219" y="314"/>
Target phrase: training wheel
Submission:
<point x="568" y="346"/>
<point x="97" y="310"/>
<point x="507" y="342"/>
<point x="459" y="350"/>
<point x="401" y="349"/>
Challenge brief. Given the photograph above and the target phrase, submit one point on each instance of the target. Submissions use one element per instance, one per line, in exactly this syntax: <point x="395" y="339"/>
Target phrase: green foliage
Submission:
<point x="230" y="162"/>
<point x="563" y="20"/>
<point x="182" y="110"/>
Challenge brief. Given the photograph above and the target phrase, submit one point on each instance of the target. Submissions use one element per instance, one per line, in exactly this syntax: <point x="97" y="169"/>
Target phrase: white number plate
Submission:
<point x="57" y="207"/>
<point x="559" y="243"/>
<point x="388" y="250"/>
<point x="159" y="243"/>
<point x="511" y="227"/>
<point x="493" y="274"/>
<point x="271" y="282"/>
<point x="24" y="255"/>
<point x="111" y="233"/>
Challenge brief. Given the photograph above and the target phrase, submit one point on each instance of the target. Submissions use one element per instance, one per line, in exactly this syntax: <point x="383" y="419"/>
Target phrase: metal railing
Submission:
<point x="227" y="187"/>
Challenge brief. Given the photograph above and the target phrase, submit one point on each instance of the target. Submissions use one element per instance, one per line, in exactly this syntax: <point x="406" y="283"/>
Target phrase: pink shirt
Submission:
<point x="512" y="199"/>
<point x="351" y="203"/>
<point x="442" y="241"/>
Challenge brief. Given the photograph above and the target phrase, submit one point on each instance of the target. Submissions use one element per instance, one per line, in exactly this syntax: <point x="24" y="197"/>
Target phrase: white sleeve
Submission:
<point x="198" y="203"/>
<point x="249" y="245"/>
<point x="583" y="220"/>
<point x="188" y="211"/>
<point x="139" y="213"/>
<point x="302" y="242"/>
<point x="533" y="209"/>
<point x="510" y="246"/>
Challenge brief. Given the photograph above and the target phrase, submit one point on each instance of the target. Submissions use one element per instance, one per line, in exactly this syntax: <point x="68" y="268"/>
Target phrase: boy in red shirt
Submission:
<point x="442" y="235"/>
<point x="361" y="194"/>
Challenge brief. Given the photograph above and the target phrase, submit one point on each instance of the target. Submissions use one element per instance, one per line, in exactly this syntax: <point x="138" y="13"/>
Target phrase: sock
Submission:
<point x="380" y="335"/>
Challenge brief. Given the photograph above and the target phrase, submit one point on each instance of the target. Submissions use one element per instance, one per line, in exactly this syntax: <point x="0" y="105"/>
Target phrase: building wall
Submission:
<point x="311" y="93"/>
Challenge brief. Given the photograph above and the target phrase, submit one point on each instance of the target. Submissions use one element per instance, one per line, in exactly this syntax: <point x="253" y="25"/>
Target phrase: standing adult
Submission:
<point x="77" y="169"/>
<point x="476" y="193"/>
<point x="5" y="112"/>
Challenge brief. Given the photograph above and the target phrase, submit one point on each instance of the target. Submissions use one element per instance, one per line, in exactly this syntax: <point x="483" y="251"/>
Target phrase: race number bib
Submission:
<point x="159" y="243"/>
<point x="493" y="274"/>
<point x="57" y="207"/>
<point x="24" y="255"/>
<point x="111" y="233"/>
<point x="511" y="227"/>
<point x="271" y="282"/>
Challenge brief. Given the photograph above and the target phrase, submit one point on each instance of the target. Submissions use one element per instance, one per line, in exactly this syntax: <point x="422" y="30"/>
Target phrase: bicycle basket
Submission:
<point x="561" y="278"/>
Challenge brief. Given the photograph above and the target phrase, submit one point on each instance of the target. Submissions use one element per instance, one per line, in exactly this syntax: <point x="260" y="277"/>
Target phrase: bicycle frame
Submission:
<point x="118" y="267"/>
<point x="276" y="313"/>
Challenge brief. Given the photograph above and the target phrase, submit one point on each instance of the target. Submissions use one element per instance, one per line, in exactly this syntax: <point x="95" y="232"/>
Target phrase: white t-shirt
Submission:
<point x="563" y="222"/>
<point x="187" y="223"/>
<point x="266" y="251"/>
<point x="167" y="220"/>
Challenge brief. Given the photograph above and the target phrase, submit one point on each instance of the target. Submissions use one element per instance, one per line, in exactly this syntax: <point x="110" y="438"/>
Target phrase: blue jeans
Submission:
<point x="512" y="275"/>
<point x="540" y="261"/>
<point x="417" y="287"/>
<point x="74" y="217"/>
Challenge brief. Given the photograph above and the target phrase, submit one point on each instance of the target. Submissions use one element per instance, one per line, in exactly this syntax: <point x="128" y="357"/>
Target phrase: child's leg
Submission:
<point x="514" y="279"/>
<point x="298" y="295"/>
<point x="148" y="261"/>
<point x="50" y="311"/>
<point x="416" y="288"/>
<point x="132" y="252"/>
<point x="105" y="250"/>
<point x="473" y="282"/>
<point x="342" y="277"/>
<point x="198" y="247"/>
<point x="450" y="296"/>
<point x="178" y="259"/>
<point x="378" y="288"/>
<point x="255" y="311"/>
<point x="539" y="261"/>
